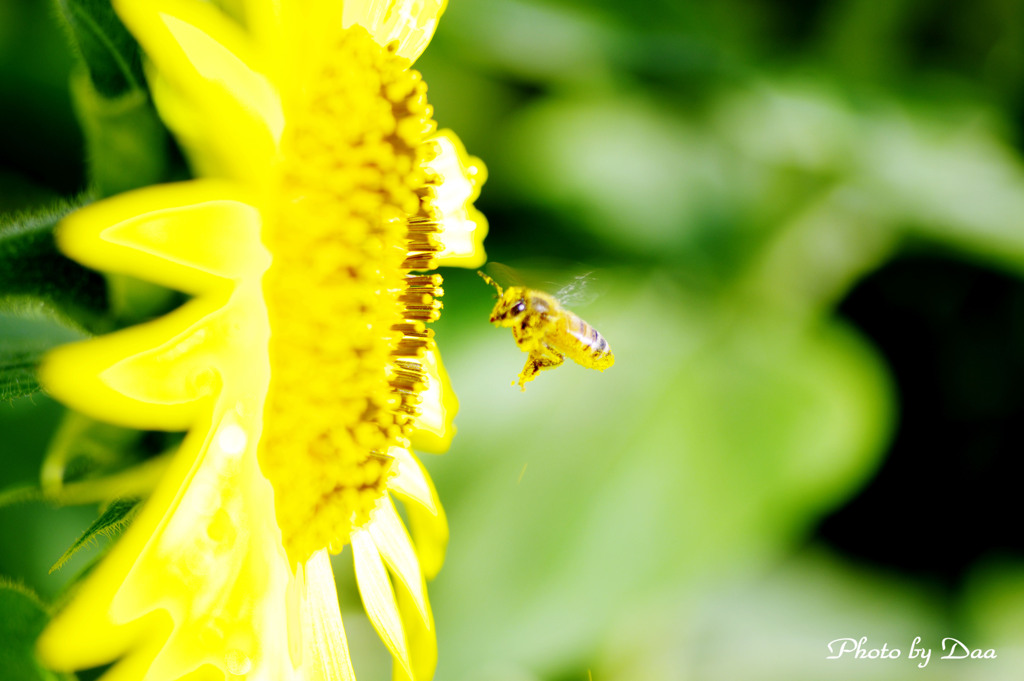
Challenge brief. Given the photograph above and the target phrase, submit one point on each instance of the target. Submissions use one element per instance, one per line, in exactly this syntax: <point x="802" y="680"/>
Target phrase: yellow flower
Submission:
<point x="302" y="367"/>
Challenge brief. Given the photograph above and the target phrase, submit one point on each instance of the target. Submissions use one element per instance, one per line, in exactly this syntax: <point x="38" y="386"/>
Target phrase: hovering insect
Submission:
<point x="547" y="331"/>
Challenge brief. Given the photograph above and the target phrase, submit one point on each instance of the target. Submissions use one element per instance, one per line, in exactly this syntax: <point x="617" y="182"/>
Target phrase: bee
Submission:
<point x="547" y="331"/>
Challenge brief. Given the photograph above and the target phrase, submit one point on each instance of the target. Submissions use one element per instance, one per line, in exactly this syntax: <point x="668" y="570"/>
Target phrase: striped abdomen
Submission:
<point x="581" y="342"/>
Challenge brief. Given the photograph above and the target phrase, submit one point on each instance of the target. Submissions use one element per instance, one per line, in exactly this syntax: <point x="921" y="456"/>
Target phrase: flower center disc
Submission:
<point x="346" y="317"/>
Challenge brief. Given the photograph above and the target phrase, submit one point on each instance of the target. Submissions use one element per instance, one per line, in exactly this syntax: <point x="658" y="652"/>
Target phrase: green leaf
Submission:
<point x="35" y="277"/>
<point x="105" y="46"/>
<point x="23" y="619"/>
<point x="18" y="370"/>
<point x="111" y="523"/>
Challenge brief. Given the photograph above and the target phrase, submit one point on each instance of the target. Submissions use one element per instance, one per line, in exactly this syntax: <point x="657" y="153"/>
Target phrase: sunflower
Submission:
<point x="301" y="368"/>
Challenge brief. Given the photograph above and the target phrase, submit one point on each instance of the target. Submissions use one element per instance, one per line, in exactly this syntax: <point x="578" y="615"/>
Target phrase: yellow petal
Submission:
<point x="426" y="516"/>
<point x="325" y="654"/>
<point x="205" y="550"/>
<point x="213" y="561"/>
<point x="132" y="667"/>
<point x="409" y="480"/>
<point x="81" y="639"/>
<point x="422" y="640"/>
<point x="410" y="22"/>
<point x="186" y="236"/>
<point x="137" y="377"/>
<point x="85" y="633"/>
<point x="378" y="596"/>
<point x="463" y="227"/>
<point x="211" y="92"/>
<point x="395" y="547"/>
<point x="433" y="427"/>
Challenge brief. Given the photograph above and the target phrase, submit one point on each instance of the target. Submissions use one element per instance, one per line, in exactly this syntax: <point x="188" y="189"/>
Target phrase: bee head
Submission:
<point x="510" y="307"/>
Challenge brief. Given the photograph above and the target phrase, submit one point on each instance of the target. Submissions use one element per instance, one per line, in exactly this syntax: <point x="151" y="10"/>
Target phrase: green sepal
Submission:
<point x="92" y="462"/>
<point x="24" y="617"/>
<point x="133" y="301"/>
<point x="114" y="519"/>
<point x="83" y="448"/>
<point x="126" y="144"/>
<point x="105" y="46"/>
<point x="20" y="494"/>
<point x="87" y="457"/>
<point x="36" y="278"/>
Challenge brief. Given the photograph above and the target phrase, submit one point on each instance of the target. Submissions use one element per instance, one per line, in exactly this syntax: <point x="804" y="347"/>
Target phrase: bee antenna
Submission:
<point x="491" y="282"/>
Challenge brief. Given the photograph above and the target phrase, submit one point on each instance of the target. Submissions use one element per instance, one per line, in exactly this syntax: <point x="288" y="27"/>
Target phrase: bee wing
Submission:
<point x="580" y="290"/>
<point x="576" y="290"/>
<point x="503" y="274"/>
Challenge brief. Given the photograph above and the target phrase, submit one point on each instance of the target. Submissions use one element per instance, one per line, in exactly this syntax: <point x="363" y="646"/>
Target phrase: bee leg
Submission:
<point x="525" y="339"/>
<point x="540" y="359"/>
<point x="530" y="333"/>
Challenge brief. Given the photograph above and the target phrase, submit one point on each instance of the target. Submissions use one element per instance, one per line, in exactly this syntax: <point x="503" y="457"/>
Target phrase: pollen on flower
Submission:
<point x="353" y="217"/>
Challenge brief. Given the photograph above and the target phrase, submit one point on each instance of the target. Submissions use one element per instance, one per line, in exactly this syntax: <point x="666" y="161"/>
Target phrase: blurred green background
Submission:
<point x="806" y="223"/>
